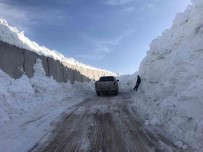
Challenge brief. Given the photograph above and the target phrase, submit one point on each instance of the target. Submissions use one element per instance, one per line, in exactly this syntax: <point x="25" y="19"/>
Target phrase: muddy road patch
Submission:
<point x="104" y="125"/>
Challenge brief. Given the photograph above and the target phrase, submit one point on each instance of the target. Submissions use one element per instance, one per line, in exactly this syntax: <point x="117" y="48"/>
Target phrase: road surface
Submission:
<point x="104" y="124"/>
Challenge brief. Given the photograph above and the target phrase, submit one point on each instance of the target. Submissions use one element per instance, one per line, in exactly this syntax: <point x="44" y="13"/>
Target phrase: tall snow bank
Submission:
<point x="17" y="38"/>
<point x="22" y="96"/>
<point x="27" y="105"/>
<point x="172" y="78"/>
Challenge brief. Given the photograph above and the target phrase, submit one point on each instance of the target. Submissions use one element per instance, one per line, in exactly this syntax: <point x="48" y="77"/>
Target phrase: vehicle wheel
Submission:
<point x="98" y="93"/>
<point x="116" y="93"/>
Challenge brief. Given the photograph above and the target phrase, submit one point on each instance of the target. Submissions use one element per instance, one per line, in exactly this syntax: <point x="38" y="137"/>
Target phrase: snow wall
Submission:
<point x="173" y="65"/>
<point x="172" y="78"/>
<point x="16" y="61"/>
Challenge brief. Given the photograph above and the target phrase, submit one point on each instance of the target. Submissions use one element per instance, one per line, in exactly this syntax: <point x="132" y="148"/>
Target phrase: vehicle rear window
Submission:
<point x="106" y="79"/>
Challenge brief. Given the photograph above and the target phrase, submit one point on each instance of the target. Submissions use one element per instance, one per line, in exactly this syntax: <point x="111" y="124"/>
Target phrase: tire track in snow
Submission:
<point x="104" y="124"/>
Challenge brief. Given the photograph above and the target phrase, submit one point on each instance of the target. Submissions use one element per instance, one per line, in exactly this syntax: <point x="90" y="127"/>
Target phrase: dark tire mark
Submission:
<point x="104" y="125"/>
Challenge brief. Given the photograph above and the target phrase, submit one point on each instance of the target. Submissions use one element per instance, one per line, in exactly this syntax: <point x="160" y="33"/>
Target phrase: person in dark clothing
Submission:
<point x="137" y="83"/>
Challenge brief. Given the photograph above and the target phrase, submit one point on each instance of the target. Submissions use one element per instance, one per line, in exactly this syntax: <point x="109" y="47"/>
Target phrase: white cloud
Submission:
<point x="128" y="9"/>
<point x="11" y="13"/>
<point x="104" y="46"/>
<point x="150" y="5"/>
<point x="24" y="19"/>
<point x="14" y="16"/>
<point x="102" y="49"/>
<point x="116" y="40"/>
<point x="92" y="57"/>
<point x="117" y="2"/>
<point x="97" y="53"/>
<point x="112" y="41"/>
<point x="50" y="17"/>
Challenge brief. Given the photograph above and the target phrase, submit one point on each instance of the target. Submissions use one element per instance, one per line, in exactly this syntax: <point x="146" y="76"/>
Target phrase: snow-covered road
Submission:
<point x="106" y="124"/>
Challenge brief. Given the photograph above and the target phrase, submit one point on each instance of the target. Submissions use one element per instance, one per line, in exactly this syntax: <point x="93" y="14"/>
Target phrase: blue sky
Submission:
<point x="109" y="34"/>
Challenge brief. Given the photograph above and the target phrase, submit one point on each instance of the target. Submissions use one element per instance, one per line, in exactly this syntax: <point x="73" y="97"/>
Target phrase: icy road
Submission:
<point x="104" y="124"/>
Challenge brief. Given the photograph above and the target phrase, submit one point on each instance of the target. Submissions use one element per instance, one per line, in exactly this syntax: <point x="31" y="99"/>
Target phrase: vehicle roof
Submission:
<point x="107" y="76"/>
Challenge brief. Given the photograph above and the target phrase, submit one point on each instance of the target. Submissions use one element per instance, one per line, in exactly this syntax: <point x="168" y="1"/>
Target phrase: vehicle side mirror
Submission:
<point x="117" y="80"/>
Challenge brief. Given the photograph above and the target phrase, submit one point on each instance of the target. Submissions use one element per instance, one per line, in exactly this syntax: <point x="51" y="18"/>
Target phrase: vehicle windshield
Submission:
<point x="110" y="78"/>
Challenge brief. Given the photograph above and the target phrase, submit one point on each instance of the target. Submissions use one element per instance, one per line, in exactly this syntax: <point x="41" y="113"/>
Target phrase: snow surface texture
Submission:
<point x="14" y="37"/>
<point x="172" y="79"/>
<point x="33" y="104"/>
<point x="170" y="95"/>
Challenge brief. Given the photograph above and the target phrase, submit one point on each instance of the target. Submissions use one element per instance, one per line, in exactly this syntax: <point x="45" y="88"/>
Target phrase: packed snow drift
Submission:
<point x="172" y="80"/>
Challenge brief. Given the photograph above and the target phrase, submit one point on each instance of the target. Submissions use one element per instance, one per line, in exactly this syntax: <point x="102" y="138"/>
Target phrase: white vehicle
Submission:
<point x="106" y="84"/>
